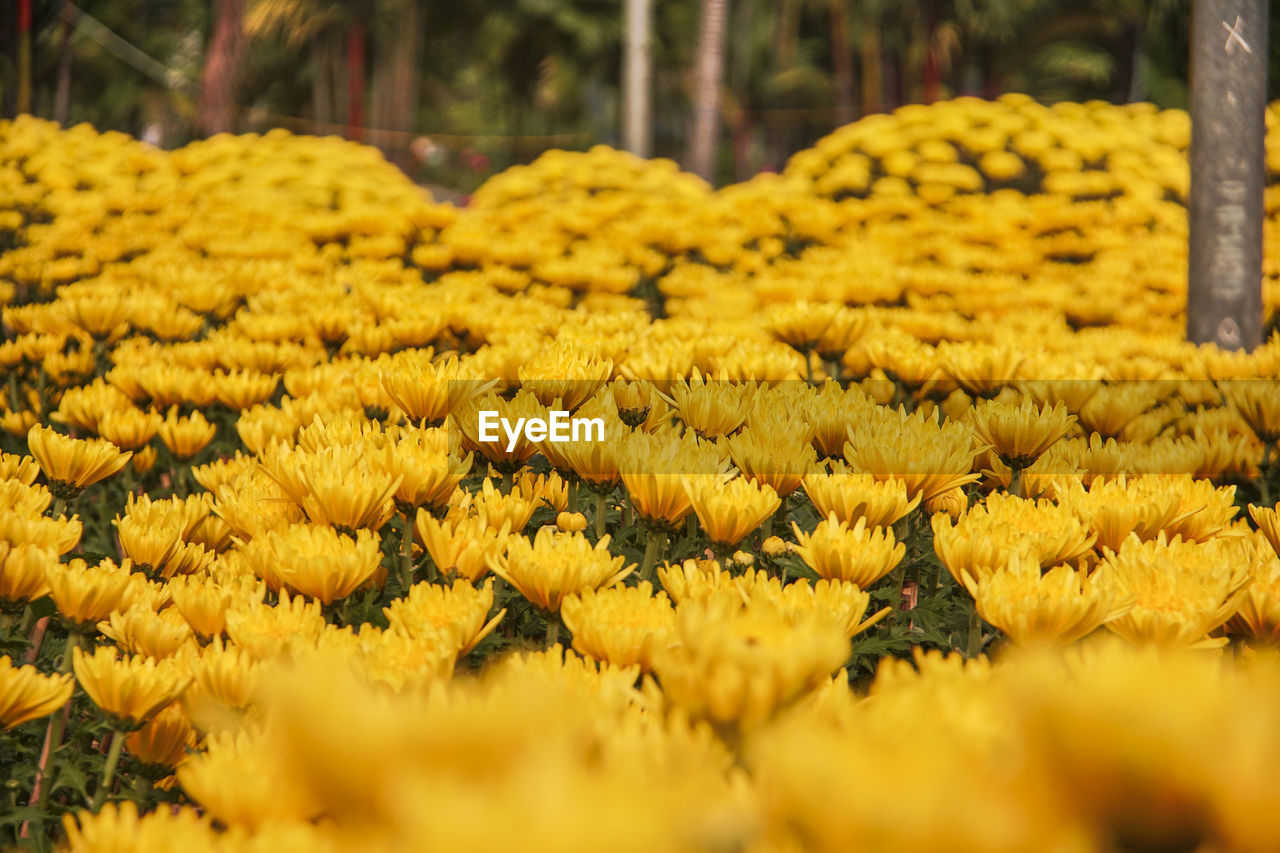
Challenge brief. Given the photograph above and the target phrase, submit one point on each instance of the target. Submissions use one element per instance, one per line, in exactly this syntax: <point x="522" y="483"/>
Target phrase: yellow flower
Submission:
<point x="620" y="625"/>
<point x="1020" y="434"/>
<point x="651" y="468"/>
<point x="859" y="554"/>
<point x="459" y="611"/>
<point x="70" y="464"/>
<point x="22" y="572"/>
<point x="426" y="392"/>
<point x="164" y="740"/>
<point x="224" y="681"/>
<point x="238" y="782"/>
<point x="730" y="510"/>
<point x="428" y="473"/>
<point x="735" y="665"/>
<point x="1268" y="521"/>
<point x="26" y="694"/>
<point x="201" y="602"/>
<point x="556" y="565"/>
<point x="1258" y="405"/>
<point x="571" y="522"/>
<point x="495" y="509"/>
<point x="851" y="497"/>
<point x="117" y="827"/>
<point x="314" y="560"/>
<point x="86" y="595"/>
<point x="185" y="437"/>
<point x="129" y="429"/>
<point x="1182" y="590"/>
<point x="994" y="532"/>
<point x="1058" y="607"/>
<point x="339" y="485"/>
<point x="711" y="407"/>
<point x="770" y="454"/>
<point x="461" y="545"/>
<point x="1258" y="617"/>
<point x="928" y="458"/>
<point x="142" y="631"/>
<point x="129" y="691"/>
<point x="268" y="631"/>
<point x="564" y="372"/>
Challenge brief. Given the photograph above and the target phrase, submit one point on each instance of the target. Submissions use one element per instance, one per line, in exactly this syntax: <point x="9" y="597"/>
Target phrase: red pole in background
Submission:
<point x="24" y="56"/>
<point x="355" y="81"/>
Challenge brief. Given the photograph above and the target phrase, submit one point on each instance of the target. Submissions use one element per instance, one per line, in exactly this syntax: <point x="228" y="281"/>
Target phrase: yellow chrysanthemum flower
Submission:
<point x="26" y="694"/>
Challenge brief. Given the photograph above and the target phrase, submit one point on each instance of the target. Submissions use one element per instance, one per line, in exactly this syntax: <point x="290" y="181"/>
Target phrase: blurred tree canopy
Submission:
<point x="454" y="90"/>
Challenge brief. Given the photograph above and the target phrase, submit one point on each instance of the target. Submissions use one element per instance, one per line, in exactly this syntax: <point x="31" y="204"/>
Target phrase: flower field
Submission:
<point x="916" y="525"/>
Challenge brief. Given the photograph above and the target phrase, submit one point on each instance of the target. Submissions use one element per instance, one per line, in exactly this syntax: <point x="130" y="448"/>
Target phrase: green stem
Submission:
<point x="42" y="390"/>
<point x="808" y="364"/>
<point x="1264" y="469"/>
<point x="974" y="646"/>
<point x="1015" y="482"/>
<point x="59" y="507"/>
<point x="109" y="771"/>
<point x="572" y="497"/>
<point x="406" y="553"/>
<point x="553" y="629"/>
<point x="508" y="479"/>
<point x="601" y="508"/>
<point x="650" y="556"/>
<point x="57" y="723"/>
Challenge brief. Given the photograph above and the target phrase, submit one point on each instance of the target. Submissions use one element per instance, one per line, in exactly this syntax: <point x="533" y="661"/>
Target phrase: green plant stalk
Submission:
<point x="1015" y="482"/>
<point x="974" y="646"/>
<point x="57" y="723"/>
<point x="571" y="504"/>
<point x="42" y="391"/>
<point x="109" y="771"/>
<point x="1264" y="470"/>
<point x="508" y="479"/>
<point x="553" y="629"/>
<point x="58" y="507"/>
<point x="406" y="553"/>
<point x="601" y="508"/>
<point x="650" y="555"/>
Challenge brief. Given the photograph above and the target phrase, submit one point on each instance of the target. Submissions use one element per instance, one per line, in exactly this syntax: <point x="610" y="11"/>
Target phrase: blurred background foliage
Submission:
<point x="453" y="91"/>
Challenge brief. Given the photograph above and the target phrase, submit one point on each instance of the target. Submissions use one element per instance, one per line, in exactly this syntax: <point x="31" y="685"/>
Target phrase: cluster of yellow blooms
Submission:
<point x="942" y="350"/>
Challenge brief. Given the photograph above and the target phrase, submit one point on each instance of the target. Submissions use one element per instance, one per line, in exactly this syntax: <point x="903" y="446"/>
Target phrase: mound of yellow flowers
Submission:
<point x="915" y="524"/>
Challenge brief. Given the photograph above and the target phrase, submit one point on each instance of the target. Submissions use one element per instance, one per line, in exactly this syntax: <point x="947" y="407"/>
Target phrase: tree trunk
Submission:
<point x="321" y="85"/>
<point x="355" y="81"/>
<point x="841" y="61"/>
<point x="403" y="98"/>
<point x="216" y="110"/>
<point x="706" y="105"/>
<point x="931" y="74"/>
<point x="637" y="131"/>
<point x="24" y="56"/>
<point x="62" y="92"/>
<point x="872" y="69"/>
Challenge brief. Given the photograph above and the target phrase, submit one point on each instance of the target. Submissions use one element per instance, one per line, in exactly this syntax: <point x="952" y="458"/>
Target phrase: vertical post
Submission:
<point x="637" y="128"/>
<point x="706" y="89"/>
<point x="1228" y="103"/>
<point x="24" y="56"/>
